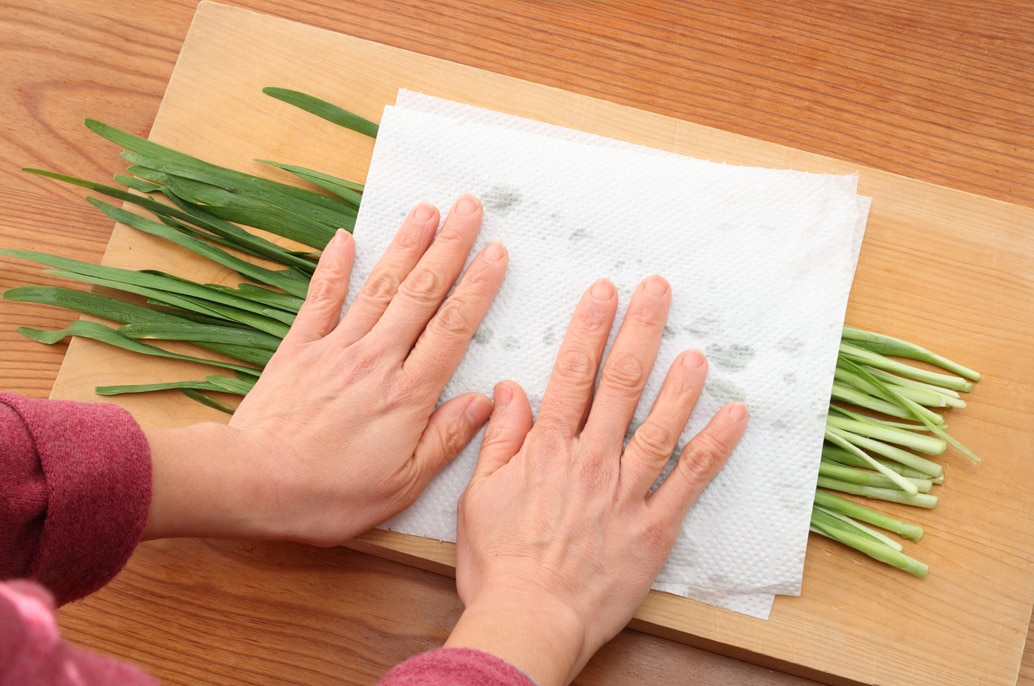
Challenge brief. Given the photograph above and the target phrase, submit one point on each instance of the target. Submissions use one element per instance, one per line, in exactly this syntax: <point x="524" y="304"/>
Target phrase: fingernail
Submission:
<point x="423" y="212"/>
<point x="602" y="290"/>
<point x="738" y="411"/>
<point x="503" y="395"/>
<point x="338" y="240"/>
<point x="467" y="205"/>
<point x="478" y="410"/>
<point x="693" y="359"/>
<point x="655" y="285"/>
<point x="494" y="251"/>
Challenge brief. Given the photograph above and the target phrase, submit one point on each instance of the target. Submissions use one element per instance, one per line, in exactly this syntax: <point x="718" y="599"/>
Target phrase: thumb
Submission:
<point x="449" y="429"/>
<point x="510" y="423"/>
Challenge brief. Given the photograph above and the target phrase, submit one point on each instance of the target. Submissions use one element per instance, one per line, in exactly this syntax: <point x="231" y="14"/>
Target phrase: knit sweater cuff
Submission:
<point x="97" y="467"/>
<point x="456" y="667"/>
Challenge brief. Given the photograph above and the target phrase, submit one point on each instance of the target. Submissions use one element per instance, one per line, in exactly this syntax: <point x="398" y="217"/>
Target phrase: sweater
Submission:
<point x="76" y="487"/>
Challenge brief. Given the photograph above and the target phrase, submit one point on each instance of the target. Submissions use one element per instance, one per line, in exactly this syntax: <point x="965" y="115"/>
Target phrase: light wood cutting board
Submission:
<point x="942" y="268"/>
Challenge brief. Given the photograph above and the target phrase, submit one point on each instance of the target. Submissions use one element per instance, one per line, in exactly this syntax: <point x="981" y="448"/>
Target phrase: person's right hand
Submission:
<point x="559" y="537"/>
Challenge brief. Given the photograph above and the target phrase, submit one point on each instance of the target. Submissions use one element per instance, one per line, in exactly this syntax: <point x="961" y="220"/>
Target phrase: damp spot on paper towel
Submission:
<point x="501" y="199"/>
<point x="549" y="337"/>
<point x="790" y="345"/>
<point x="482" y="336"/>
<point x="717" y="580"/>
<point x="511" y="343"/>
<point x="619" y="264"/>
<point x="668" y="332"/>
<point x="704" y="325"/>
<point x="732" y="357"/>
<point x="725" y="391"/>
<point x="578" y="235"/>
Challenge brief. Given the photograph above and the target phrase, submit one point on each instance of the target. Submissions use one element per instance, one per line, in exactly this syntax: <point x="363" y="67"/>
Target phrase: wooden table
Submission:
<point x="941" y="92"/>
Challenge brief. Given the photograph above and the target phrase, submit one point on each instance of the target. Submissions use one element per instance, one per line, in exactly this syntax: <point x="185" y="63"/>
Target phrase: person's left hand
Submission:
<point x="342" y="432"/>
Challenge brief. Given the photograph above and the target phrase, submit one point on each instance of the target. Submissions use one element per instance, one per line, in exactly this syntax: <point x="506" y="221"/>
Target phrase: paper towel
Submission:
<point x="760" y="262"/>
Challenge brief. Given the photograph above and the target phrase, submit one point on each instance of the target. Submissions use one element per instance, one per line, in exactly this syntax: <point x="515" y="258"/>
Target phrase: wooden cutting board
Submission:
<point x="945" y="269"/>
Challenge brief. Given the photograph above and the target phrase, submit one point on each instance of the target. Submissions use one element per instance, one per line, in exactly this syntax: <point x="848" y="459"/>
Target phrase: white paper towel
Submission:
<point x="760" y="262"/>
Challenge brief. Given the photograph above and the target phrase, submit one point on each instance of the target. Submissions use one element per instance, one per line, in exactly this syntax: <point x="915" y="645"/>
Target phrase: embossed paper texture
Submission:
<point x="760" y="263"/>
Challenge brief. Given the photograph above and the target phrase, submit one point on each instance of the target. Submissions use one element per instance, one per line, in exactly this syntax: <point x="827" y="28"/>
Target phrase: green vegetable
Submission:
<point x="854" y="536"/>
<point x="324" y="110"/>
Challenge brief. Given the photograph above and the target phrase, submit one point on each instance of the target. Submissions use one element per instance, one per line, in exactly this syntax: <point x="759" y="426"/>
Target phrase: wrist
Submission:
<point x="203" y="485"/>
<point x="542" y="637"/>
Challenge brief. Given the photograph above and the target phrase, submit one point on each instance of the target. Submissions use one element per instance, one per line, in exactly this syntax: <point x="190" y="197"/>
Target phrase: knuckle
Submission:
<point x="379" y="288"/>
<point x="574" y="365"/>
<point x="624" y="372"/>
<point x="596" y="471"/>
<point x="654" y="440"/>
<point x="325" y="279"/>
<point x="455" y="438"/>
<point x="703" y="456"/>
<point x="593" y="320"/>
<point x="321" y="292"/>
<point x="451" y="238"/>
<point x="645" y="316"/>
<point x="402" y="389"/>
<point x="659" y="534"/>
<point x="548" y="450"/>
<point x="449" y="439"/>
<point x="591" y="478"/>
<point x="409" y="241"/>
<point x="454" y="317"/>
<point x="361" y="363"/>
<point x="551" y="444"/>
<point x="478" y="279"/>
<point x="423" y="286"/>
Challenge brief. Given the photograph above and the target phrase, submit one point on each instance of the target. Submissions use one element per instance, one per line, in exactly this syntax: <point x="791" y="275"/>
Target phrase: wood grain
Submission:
<point x="920" y="74"/>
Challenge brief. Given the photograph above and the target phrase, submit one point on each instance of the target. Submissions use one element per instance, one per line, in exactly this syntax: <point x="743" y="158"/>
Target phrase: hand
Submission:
<point x="341" y="431"/>
<point x="559" y="539"/>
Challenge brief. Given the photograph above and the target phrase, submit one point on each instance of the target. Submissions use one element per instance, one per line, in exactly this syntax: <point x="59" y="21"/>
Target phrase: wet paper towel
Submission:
<point x="760" y="262"/>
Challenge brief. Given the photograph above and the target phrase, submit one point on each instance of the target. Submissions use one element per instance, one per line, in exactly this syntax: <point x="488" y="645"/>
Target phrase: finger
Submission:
<point x="631" y="358"/>
<point x="449" y="429"/>
<point x="509" y="426"/>
<point x="321" y="310"/>
<point x="701" y="460"/>
<point x="569" y="390"/>
<point x="653" y="443"/>
<point x="406" y="248"/>
<point x="446" y="337"/>
<point x="423" y="289"/>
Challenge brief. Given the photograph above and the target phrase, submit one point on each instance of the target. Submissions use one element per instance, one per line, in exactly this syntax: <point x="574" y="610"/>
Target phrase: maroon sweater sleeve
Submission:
<point x="76" y="482"/>
<point x="455" y="667"/>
